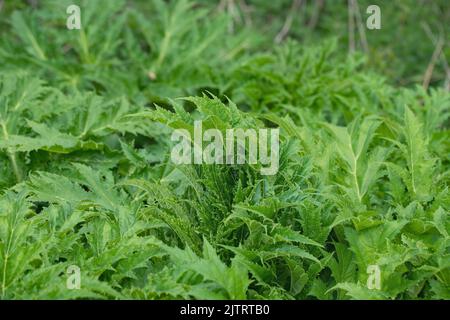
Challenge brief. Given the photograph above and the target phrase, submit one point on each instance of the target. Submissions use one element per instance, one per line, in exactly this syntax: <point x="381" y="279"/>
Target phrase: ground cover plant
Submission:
<point x="87" y="183"/>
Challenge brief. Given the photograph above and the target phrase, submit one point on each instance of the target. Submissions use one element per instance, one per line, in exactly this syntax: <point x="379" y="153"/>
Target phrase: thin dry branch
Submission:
<point x="230" y="7"/>
<point x="320" y="4"/>
<point x="296" y="4"/>
<point x="361" y="27"/>
<point x="445" y="64"/>
<point x="429" y="72"/>
<point x="351" y="27"/>
<point x="246" y="11"/>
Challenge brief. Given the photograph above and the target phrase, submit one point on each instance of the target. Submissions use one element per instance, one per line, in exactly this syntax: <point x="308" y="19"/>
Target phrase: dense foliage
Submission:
<point x="86" y="177"/>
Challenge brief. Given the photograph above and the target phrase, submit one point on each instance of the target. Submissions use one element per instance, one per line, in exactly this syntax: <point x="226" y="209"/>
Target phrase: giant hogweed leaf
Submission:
<point x="18" y="95"/>
<point x="352" y="146"/>
<point x="394" y="276"/>
<point x="440" y="291"/>
<point x="289" y="235"/>
<point x="298" y="277"/>
<point x="212" y="112"/>
<point x="250" y="259"/>
<point x="360" y="292"/>
<point x="23" y="31"/>
<point x="285" y="123"/>
<point x="342" y="266"/>
<point x="228" y="114"/>
<point x="287" y="251"/>
<point x="188" y="47"/>
<point x="441" y="222"/>
<point x="169" y="211"/>
<point x="19" y="244"/>
<point x="275" y="231"/>
<point x="233" y="279"/>
<point x="101" y="186"/>
<point x="420" y="164"/>
<point x="101" y="192"/>
<point x="368" y="243"/>
<point x="162" y="285"/>
<point x="51" y="140"/>
<point x="50" y="283"/>
<point x="97" y="117"/>
<point x="20" y="92"/>
<point x="55" y="188"/>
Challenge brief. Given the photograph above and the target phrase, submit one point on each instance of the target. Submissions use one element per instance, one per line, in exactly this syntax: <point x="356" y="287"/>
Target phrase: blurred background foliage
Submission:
<point x="411" y="30"/>
<point x="401" y="50"/>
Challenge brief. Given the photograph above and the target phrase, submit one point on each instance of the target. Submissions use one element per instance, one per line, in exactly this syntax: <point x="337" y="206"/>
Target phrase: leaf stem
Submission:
<point x="12" y="155"/>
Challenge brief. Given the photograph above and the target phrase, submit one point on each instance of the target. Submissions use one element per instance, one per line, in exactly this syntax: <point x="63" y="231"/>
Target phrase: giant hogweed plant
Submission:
<point x="86" y="177"/>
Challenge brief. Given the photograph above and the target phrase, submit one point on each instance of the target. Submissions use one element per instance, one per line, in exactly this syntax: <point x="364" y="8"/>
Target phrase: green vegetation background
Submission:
<point x="86" y="177"/>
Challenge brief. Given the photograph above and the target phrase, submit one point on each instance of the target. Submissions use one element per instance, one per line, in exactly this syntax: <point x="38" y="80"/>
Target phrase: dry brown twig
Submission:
<point x="246" y="11"/>
<point x="351" y="27"/>
<point x="439" y="44"/>
<point x="361" y="27"/>
<point x="239" y="11"/>
<point x="320" y="4"/>
<point x="296" y="4"/>
<point x="429" y="72"/>
<point x="354" y="15"/>
<point x="230" y="7"/>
